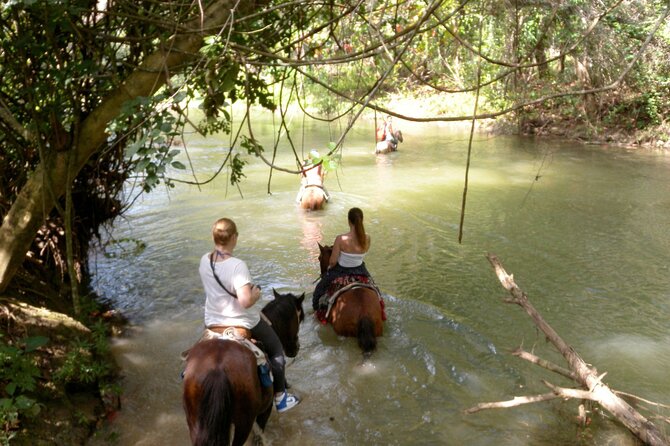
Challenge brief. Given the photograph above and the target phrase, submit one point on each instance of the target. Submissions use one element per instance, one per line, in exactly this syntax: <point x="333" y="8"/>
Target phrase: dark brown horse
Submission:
<point x="313" y="198"/>
<point x="357" y="312"/>
<point x="221" y="382"/>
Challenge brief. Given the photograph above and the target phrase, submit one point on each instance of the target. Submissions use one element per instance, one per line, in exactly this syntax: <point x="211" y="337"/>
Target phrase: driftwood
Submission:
<point x="592" y="386"/>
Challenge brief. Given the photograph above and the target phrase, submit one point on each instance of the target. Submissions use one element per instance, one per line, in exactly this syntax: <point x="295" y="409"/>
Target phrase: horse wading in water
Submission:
<point x="357" y="312"/>
<point x="313" y="198"/>
<point x="222" y="386"/>
<point x="387" y="137"/>
<point x="312" y="194"/>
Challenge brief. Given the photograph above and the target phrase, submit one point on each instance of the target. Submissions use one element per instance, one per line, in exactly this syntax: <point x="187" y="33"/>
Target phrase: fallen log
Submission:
<point x="592" y="387"/>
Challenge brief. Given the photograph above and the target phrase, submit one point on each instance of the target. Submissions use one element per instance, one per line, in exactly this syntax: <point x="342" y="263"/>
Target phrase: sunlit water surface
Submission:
<point x="584" y="230"/>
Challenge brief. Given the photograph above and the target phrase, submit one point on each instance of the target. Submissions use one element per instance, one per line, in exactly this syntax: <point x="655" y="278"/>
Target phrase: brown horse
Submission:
<point x="357" y="312"/>
<point x="313" y="198"/>
<point x="387" y="146"/>
<point x="221" y="382"/>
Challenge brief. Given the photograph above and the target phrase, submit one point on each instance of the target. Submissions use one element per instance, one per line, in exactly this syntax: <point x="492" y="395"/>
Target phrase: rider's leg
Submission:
<point x="264" y="333"/>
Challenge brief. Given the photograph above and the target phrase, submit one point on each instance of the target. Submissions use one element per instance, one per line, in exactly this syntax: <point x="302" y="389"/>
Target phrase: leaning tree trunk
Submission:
<point x="579" y="371"/>
<point x="48" y="181"/>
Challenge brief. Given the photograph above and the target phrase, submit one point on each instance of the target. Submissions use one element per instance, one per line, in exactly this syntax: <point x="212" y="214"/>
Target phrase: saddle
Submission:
<point x="341" y="284"/>
<point x="242" y="336"/>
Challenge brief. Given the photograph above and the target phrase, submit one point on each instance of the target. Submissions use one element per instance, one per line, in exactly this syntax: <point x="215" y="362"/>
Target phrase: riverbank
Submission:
<point x="58" y="373"/>
<point x="565" y="124"/>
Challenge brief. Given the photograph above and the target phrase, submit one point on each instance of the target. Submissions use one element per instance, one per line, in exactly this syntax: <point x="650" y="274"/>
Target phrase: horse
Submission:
<point x="389" y="145"/>
<point x="221" y="382"/>
<point x="357" y="312"/>
<point x="313" y="198"/>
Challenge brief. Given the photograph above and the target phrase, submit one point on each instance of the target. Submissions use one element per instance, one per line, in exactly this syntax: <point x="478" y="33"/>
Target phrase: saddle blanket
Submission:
<point x="338" y="286"/>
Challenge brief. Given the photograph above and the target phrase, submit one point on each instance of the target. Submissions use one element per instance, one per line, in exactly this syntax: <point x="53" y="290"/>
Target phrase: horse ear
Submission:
<point x="301" y="298"/>
<point x="277" y="295"/>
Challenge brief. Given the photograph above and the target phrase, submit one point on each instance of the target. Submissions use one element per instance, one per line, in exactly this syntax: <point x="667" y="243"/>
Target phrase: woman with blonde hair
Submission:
<point x="231" y="299"/>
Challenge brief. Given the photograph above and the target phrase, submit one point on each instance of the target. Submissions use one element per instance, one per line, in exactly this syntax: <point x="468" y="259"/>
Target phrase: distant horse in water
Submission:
<point x="389" y="145"/>
<point x="221" y="381"/>
<point x="313" y="198"/>
<point x="357" y="312"/>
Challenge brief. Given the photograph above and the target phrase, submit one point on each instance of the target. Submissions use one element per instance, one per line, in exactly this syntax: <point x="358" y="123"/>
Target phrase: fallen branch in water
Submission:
<point x="590" y="382"/>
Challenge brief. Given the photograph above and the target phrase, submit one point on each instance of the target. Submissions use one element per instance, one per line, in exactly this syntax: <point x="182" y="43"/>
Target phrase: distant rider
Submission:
<point x="312" y="175"/>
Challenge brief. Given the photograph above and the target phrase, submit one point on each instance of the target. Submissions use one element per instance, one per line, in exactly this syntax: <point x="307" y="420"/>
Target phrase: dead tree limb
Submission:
<point x="544" y="363"/>
<point x="585" y="375"/>
<point x="516" y="401"/>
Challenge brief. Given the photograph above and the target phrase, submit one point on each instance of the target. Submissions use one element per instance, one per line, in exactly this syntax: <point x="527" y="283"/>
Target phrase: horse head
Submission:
<point x="285" y="313"/>
<point x="324" y="257"/>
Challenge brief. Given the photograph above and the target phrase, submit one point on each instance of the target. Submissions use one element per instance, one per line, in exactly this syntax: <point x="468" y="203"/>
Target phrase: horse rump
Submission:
<point x="367" y="340"/>
<point x="313" y="199"/>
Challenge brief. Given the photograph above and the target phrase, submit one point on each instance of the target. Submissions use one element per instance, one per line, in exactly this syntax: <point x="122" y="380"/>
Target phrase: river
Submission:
<point x="584" y="229"/>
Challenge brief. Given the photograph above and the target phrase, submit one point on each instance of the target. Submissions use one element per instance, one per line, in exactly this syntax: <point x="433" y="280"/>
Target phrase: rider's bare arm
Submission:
<point x="248" y="295"/>
<point x="335" y="255"/>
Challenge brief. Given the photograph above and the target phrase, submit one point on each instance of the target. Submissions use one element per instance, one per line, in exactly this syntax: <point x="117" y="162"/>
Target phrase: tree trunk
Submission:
<point x="584" y="375"/>
<point x="35" y="201"/>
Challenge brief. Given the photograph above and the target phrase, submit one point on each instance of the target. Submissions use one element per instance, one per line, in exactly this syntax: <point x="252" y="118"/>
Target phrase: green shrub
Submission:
<point x="86" y="363"/>
<point x="18" y="378"/>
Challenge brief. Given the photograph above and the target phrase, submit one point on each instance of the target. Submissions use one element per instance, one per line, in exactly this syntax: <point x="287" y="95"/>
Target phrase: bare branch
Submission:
<point x="544" y="364"/>
<point x="516" y="401"/>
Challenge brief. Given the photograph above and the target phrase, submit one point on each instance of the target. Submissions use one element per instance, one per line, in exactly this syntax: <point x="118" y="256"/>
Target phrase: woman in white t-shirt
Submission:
<point x="231" y="302"/>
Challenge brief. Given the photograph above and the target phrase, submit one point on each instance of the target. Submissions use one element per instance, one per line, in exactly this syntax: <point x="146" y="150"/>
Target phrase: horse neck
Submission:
<point x="323" y="262"/>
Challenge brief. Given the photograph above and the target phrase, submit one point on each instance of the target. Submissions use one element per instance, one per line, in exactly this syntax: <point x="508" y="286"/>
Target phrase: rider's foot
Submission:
<point x="285" y="401"/>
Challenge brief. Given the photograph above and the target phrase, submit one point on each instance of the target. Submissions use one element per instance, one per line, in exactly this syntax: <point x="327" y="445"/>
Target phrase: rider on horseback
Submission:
<point x="312" y="175"/>
<point x="231" y="299"/>
<point x="385" y="132"/>
<point x="347" y="257"/>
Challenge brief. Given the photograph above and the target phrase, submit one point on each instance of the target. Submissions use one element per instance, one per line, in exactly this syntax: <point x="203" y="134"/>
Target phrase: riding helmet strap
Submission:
<point x="211" y="263"/>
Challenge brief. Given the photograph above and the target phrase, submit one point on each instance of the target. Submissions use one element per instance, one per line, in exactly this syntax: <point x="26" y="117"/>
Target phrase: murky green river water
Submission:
<point x="584" y="230"/>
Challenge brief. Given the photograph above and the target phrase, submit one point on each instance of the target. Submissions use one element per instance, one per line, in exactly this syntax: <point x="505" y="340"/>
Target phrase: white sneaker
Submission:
<point x="285" y="402"/>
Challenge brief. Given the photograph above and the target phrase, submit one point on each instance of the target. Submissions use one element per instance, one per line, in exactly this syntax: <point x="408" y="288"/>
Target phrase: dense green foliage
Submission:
<point x="18" y="380"/>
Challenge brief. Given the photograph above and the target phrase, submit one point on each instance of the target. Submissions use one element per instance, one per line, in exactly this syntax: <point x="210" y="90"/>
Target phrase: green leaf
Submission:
<point x="131" y="149"/>
<point x="23" y="402"/>
<point x="178" y="165"/>
<point x="35" y="342"/>
<point x="142" y="165"/>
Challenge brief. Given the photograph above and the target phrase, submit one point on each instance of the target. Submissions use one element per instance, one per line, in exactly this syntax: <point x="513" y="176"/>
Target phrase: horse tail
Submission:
<point x="366" y="335"/>
<point x="214" y="414"/>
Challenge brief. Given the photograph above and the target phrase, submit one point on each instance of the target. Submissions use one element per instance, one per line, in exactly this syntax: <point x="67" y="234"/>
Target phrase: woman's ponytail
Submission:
<point x="356" y="219"/>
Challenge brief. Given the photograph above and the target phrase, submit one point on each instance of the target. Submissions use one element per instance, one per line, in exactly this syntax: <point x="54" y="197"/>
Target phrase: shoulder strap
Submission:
<point x="211" y="263"/>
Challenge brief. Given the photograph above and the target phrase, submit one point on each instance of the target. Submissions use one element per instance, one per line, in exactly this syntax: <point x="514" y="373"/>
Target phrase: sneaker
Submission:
<point x="286" y="402"/>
